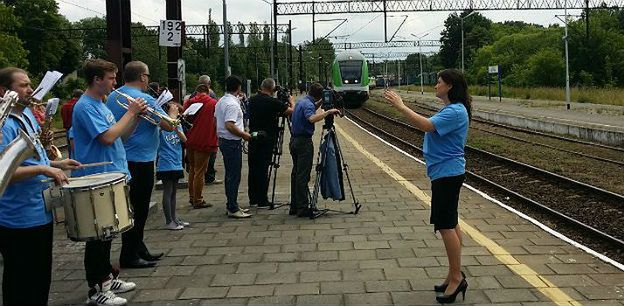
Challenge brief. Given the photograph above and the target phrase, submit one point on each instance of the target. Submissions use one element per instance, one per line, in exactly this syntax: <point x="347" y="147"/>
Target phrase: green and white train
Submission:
<point x="350" y="77"/>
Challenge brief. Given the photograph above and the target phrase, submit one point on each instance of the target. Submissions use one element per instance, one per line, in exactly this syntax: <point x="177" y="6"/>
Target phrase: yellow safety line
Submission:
<point x="531" y="276"/>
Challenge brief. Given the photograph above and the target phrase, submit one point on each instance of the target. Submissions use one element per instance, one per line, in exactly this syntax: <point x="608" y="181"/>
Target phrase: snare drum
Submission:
<point x="96" y="207"/>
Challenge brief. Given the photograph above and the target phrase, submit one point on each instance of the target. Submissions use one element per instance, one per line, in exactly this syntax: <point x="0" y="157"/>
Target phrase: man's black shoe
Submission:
<point x="137" y="264"/>
<point x="152" y="257"/>
<point x="264" y="205"/>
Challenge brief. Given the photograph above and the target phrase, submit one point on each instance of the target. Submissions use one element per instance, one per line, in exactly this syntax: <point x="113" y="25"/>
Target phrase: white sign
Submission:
<point x="171" y="33"/>
<point x="182" y="77"/>
<point x="493" y="69"/>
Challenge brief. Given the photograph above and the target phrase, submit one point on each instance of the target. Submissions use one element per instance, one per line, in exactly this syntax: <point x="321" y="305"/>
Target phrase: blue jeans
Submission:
<point x="232" y="151"/>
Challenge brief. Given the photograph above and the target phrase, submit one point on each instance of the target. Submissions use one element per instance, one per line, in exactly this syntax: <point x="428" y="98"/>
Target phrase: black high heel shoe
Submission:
<point x="442" y="287"/>
<point x="447" y="299"/>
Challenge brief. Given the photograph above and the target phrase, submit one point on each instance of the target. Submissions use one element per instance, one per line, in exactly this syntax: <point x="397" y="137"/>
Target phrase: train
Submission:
<point x="350" y="78"/>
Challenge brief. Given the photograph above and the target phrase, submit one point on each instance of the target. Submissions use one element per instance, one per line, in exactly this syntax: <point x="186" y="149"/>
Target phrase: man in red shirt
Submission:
<point x="201" y="143"/>
<point x="68" y="109"/>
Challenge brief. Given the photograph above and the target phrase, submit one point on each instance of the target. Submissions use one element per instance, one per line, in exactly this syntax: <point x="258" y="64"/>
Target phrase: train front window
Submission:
<point x="351" y="71"/>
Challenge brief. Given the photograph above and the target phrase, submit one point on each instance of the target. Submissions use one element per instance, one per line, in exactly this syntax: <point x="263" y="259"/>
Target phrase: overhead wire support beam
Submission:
<point x="397" y="30"/>
<point x="336" y="27"/>
<point x="359" y="6"/>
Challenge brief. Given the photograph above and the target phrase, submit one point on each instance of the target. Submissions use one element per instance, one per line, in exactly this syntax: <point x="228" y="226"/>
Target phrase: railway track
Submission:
<point x="572" y="204"/>
<point x="488" y="127"/>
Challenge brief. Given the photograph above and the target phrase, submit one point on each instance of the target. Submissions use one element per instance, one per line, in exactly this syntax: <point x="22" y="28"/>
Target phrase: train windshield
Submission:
<point x="351" y="72"/>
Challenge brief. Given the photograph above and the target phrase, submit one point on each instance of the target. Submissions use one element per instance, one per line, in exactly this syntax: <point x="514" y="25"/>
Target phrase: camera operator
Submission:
<point x="265" y="111"/>
<point x="301" y="148"/>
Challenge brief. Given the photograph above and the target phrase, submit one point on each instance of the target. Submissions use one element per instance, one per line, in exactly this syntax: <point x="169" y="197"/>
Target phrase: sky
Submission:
<point x="358" y="26"/>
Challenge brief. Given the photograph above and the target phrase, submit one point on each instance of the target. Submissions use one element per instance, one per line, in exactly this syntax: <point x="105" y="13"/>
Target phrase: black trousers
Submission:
<point x="302" y="152"/>
<point x="259" y="159"/>
<point x="141" y="186"/>
<point x="27" y="254"/>
<point x="211" y="172"/>
<point x="97" y="261"/>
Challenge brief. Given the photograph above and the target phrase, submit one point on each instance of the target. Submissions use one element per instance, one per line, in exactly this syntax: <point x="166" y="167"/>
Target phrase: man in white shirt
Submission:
<point x="230" y="131"/>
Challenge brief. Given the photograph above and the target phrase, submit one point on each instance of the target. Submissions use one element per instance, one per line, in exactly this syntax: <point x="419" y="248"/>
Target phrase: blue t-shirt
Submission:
<point x="444" y="147"/>
<point x="91" y="118"/>
<point x="142" y="145"/>
<point x="304" y="109"/>
<point x="169" y="151"/>
<point x="22" y="204"/>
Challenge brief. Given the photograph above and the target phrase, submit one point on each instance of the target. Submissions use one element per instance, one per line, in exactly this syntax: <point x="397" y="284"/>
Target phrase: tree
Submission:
<point x="477" y="33"/>
<point x="12" y="52"/>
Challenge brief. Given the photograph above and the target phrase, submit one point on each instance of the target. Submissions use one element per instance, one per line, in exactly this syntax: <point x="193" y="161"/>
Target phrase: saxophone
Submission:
<point x="47" y="137"/>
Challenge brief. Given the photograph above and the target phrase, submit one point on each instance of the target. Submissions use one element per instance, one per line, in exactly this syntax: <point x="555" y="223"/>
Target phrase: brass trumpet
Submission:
<point x="151" y="112"/>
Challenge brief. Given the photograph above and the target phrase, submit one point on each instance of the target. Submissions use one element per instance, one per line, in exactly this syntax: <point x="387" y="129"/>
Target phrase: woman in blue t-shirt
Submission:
<point x="169" y="168"/>
<point x="443" y="147"/>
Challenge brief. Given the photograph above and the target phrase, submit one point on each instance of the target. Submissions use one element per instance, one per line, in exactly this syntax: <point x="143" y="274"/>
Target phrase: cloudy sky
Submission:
<point x="359" y="27"/>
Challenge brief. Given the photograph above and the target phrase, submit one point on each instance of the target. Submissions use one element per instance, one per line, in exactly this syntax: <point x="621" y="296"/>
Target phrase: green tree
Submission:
<point x="12" y="53"/>
<point x="477" y="33"/>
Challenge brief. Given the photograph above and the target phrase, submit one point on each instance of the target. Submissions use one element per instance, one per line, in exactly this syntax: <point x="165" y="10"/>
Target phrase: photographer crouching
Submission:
<point x="265" y="111"/>
<point x="302" y="149"/>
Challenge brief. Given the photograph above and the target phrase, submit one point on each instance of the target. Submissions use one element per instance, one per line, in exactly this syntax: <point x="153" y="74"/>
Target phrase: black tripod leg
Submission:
<point x="345" y="168"/>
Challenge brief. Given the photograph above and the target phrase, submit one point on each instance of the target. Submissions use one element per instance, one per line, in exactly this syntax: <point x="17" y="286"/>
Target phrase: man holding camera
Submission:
<point x="301" y="148"/>
<point x="265" y="111"/>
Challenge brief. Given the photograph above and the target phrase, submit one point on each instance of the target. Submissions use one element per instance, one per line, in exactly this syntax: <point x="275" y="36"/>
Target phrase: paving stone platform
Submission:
<point x="388" y="254"/>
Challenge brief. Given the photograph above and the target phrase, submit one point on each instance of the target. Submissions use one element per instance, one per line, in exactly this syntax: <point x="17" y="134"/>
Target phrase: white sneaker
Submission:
<point x="183" y="223"/>
<point x="239" y="214"/>
<point x="173" y="226"/>
<point x="119" y="286"/>
<point x="106" y="298"/>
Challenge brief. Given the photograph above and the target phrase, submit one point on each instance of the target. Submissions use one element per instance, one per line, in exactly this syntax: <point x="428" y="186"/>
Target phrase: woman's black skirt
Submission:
<point x="444" y="201"/>
<point x="169" y="175"/>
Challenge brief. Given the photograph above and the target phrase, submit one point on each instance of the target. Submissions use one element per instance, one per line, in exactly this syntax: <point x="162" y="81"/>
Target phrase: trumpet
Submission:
<point x="150" y="112"/>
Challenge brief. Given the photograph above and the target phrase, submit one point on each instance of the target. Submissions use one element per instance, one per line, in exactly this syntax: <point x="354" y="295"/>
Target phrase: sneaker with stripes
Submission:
<point x="106" y="298"/>
<point x="119" y="286"/>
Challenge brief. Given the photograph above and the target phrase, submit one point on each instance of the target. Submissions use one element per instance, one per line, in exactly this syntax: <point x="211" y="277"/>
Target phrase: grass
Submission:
<point x="608" y="96"/>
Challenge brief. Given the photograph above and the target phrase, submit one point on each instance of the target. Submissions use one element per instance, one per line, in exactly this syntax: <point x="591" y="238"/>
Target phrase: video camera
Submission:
<point x="283" y="95"/>
<point x="332" y="99"/>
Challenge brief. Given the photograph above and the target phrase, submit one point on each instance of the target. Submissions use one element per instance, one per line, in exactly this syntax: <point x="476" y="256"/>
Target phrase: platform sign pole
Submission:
<point x="500" y="85"/>
<point x="489" y="82"/>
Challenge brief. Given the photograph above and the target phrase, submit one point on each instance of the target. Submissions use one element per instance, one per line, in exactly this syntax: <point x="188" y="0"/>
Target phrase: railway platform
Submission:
<point x="387" y="254"/>
<point x="592" y="122"/>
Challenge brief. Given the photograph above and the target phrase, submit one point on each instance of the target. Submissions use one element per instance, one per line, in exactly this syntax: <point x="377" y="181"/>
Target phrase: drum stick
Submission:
<point x="95" y="164"/>
<point x="71" y="179"/>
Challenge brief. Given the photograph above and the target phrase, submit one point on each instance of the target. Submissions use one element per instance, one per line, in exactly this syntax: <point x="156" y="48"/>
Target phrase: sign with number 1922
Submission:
<point x="171" y="33"/>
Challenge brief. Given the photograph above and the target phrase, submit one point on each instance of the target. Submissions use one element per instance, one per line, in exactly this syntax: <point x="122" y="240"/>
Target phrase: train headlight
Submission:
<point x="346" y="81"/>
<point x="356" y="81"/>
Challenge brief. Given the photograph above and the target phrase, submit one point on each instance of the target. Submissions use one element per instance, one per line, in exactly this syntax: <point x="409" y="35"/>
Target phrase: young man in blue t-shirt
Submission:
<point x="97" y="138"/>
<point x="25" y="223"/>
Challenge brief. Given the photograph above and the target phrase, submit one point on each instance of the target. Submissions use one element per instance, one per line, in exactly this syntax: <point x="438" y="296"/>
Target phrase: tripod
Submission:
<point x="275" y="161"/>
<point x="329" y="133"/>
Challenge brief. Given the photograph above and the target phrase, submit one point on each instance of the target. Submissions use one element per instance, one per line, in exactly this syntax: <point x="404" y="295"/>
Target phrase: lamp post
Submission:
<point x="226" y="43"/>
<point x="422" y="88"/>
<point x="462" y="38"/>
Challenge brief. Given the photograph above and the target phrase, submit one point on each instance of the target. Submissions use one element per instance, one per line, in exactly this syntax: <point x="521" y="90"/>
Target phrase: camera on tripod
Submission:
<point x="283" y="95"/>
<point x="332" y="99"/>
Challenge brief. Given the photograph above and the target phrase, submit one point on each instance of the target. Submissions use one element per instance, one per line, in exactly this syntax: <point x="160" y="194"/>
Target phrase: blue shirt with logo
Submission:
<point x="169" y="151"/>
<point x="444" y="147"/>
<point x="142" y="145"/>
<point x="91" y="118"/>
<point x="22" y="204"/>
<point x="304" y="109"/>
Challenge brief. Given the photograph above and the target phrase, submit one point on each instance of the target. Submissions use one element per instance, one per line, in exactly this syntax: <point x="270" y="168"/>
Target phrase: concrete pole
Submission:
<point x="226" y="42"/>
<point x="422" y="89"/>
<point x="462" y="44"/>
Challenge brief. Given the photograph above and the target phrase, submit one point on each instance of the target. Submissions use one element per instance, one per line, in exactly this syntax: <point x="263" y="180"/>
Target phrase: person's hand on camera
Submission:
<point x="393" y="98"/>
<point x="333" y="111"/>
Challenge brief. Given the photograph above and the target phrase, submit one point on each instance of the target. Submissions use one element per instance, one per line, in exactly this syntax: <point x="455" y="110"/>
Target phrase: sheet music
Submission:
<point x="52" y="107"/>
<point x="164" y="97"/>
<point x="192" y="110"/>
<point x="50" y="78"/>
